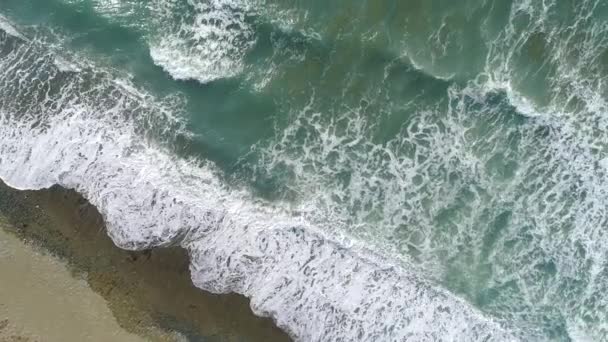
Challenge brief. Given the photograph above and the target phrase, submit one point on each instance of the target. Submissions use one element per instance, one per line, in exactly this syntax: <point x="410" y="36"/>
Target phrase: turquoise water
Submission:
<point x="459" y="143"/>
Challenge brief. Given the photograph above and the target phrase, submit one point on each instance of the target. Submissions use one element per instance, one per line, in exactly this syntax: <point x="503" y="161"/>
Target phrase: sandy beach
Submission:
<point x="64" y="280"/>
<point x="41" y="300"/>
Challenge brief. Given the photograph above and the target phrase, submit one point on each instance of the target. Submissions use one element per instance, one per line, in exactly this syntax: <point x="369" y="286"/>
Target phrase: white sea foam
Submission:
<point x="6" y="26"/>
<point x="438" y="191"/>
<point x="66" y="65"/>
<point x="83" y="137"/>
<point x="504" y="190"/>
<point x="205" y="43"/>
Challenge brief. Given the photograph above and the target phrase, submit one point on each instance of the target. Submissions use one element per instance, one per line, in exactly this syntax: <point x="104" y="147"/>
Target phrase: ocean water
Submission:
<point x="362" y="170"/>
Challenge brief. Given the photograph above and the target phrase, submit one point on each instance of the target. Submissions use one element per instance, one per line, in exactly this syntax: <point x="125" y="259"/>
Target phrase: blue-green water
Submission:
<point x="363" y="170"/>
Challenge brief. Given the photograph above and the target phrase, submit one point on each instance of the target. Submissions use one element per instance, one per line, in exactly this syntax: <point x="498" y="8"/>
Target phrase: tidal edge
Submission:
<point x="145" y="290"/>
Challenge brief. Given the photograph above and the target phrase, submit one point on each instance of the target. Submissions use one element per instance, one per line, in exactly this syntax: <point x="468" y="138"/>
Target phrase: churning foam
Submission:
<point x="8" y="28"/>
<point x="204" y="43"/>
<point x="81" y="130"/>
<point x="506" y="187"/>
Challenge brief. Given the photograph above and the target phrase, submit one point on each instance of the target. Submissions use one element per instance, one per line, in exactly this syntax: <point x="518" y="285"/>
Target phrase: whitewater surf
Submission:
<point x="382" y="171"/>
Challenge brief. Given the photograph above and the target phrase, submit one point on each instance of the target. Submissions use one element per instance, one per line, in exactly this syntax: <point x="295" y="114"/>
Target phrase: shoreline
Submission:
<point x="144" y="290"/>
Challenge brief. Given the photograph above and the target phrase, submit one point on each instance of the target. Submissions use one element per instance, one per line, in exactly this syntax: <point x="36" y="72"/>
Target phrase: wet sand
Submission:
<point x="148" y="293"/>
<point x="40" y="299"/>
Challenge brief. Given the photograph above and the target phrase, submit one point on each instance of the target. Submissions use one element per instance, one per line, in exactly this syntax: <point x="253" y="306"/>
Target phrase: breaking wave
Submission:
<point x="86" y="131"/>
<point x="420" y="190"/>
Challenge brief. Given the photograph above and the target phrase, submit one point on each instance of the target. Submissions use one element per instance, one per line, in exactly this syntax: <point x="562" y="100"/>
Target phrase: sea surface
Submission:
<point x="363" y="170"/>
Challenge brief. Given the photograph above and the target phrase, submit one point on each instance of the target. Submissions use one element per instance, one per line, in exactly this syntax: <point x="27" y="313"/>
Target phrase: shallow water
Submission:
<point x="373" y="170"/>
